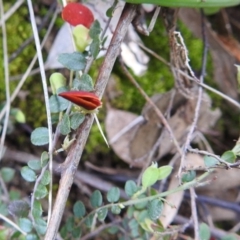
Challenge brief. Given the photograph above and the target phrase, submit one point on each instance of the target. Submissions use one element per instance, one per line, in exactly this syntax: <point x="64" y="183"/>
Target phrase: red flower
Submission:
<point x="76" y="14"/>
<point x="83" y="99"/>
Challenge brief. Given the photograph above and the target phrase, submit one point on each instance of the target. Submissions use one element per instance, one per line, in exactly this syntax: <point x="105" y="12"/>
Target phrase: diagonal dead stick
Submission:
<point x="75" y="152"/>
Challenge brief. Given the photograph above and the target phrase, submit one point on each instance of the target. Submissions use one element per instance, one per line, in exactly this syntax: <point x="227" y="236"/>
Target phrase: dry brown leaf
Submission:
<point x="172" y="203"/>
<point x="182" y="114"/>
<point x="115" y="121"/>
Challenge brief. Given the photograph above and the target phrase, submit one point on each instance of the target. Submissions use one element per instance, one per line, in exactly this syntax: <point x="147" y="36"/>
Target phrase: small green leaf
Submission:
<point x="95" y="47"/>
<point x="70" y="223"/>
<point x="229" y="157"/>
<point x="25" y="224"/>
<point x="44" y="158"/>
<point x="81" y="37"/>
<point x="74" y="61"/>
<point x="58" y="104"/>
<point x="79" y="209"/>
<point x="96" y="199"/>
<point x="115" y="209"/>
<point x="64" y="232"/>
<point x="19" y="116"/>
<point x="57" y="80"/>
<point x="134" y="228"/>
<point x="189" y="176"/>
<point x="89" y="220"/>
<point x="113" y="195"/>
<point x="102" y="213"/>
<point x="210" y="161"/>
<point x="142" y="216"/>
<point x="130" y="188"/>
<point x="14" y="195"/>
<point x="37" y="209"/>
<point x="31" y="237"/>
<point x="109" y="12"/>
<point x="150" y="176"/>
<point x="142" y="204"/>
<point x="65" y="125"/>
<point x="39" y="136"/>
<point x="19" y="208"/>
<point x="46" y="178"/>
<point x="41" y="226"/>
<point x="155" y="208"/>
<point x="85" y="83"/>
<point x="7" y="174"/>
<point x="76" y="119"/>
<point x="236" y="149"/>
<point x="76" y="232"/>
<point x="164" y="172"/>
<point x="28" y="174"/>
<point x="204" y="232"/>
<point x="34" y="164"/>
<point x="113" y="230"/>
<point x="95" y="29"/>
<point x="3" y="209"/>
<point x="41" y="191"/>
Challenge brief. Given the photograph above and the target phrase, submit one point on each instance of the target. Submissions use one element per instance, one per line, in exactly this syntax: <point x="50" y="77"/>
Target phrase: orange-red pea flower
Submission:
<point x="76" y="13"/>
<point x="86" y="100"/>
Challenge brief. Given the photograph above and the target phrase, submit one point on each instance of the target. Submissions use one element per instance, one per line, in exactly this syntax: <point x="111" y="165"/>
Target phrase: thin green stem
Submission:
<point x="160" y="195"/>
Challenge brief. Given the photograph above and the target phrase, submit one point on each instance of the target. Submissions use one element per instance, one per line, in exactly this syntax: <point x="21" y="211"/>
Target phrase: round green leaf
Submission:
<point x="229" y="157"/>
<point x="41" y="191"/>
<point x="95" y="30"/>
<point x="28" y="174"/>
<point x="96" y="199"/>
<point x="74" y="61"/>
<point x="150" y="176"/>
<point x="70" y="223"/>
<point x="155" y="208"/>
<point x="58" y="104"/>
<point x="40" y="136"/>
<point x="44" y="158"/>
<point x="89" y="220"/>
<point x="34" y="164"/>
<point x="41" y="226"/>
<point x="81" y="37"/>
<point x="130" y="188"/>
<point x="133" y="225"/>
<point x="65" y="125"/>
<point x="164" y="172"/>
<point x="115" y="209"/>
<point x="7" y="174"/>
<point x="76" y="120"/>
<point x="210" y="161"/>
<point x="76" y="232"/>
<point x="37" y="209"/>
<point x="19" y="116"/>
<point x="25" y="224"/>
<point x="31" y="237"/>
<point x="46" y="178"/>
<point x="113" y="194"/>
<point x="189" y="176"/>
<point x="86" y="83"/>
<point x="57" y="80"/>
<point x="95" y="47"/>
<point x="102" y="213"/>
<point x="79" y="209"/>
<point x="204" y="232"/>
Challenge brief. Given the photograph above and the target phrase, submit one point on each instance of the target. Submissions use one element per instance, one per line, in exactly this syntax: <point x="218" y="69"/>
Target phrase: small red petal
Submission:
<point x="83" y="99"/>
<point x="76" y="13"/>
